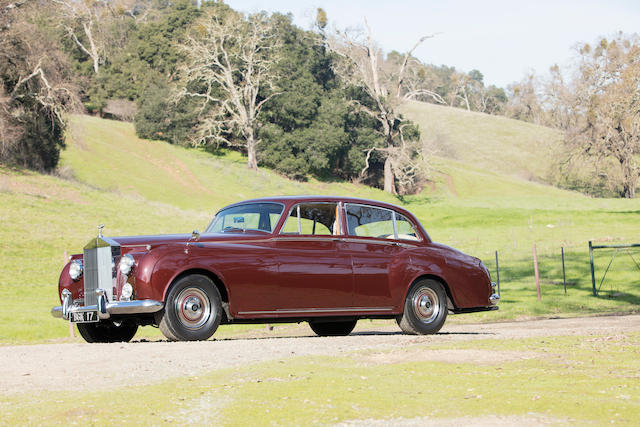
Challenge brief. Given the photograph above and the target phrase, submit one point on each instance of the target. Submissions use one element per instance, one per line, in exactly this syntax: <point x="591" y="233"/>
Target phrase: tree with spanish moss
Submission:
<point x="605" y="108"/>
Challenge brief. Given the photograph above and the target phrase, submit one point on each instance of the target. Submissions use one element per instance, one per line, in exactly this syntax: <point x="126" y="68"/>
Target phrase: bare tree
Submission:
<point x="230" y="67"/>
<point x="89" y="16"/>
<point x="606" y="107"/>
<point x="525" y="101"/>
<point x="460" y="92"/>
<point x="89" y="24"/>
<point x="388" y="84"/>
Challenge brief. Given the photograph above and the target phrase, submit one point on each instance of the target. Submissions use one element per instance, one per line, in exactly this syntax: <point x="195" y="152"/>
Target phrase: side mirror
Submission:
<point x="195" y="235"/>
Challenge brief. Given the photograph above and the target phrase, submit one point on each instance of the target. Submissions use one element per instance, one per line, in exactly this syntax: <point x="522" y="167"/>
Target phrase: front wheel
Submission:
<point x="425" y="308"/>
<point x="108" y="331"/>
<point x="192" y="311"/>
<point x="333" y="329"/>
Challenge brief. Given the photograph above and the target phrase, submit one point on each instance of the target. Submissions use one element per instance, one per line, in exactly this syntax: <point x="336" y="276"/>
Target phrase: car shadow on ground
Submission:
<point x="401" y="333"/>
<point x="359" y="333"/>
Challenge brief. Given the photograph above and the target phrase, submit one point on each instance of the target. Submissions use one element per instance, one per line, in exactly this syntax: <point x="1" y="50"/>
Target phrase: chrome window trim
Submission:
<point x="297" y="206"/>
<point x="393" y="219"/>
<point x="395" y="226"/>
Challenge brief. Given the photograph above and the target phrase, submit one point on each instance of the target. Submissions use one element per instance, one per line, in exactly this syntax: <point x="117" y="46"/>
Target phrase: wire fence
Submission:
<point x="617" y="249"/>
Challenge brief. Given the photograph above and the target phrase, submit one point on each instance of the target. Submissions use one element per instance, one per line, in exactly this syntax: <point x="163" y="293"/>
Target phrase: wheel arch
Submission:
<point x="217" y="282"/>
<point x="450" y="301"/>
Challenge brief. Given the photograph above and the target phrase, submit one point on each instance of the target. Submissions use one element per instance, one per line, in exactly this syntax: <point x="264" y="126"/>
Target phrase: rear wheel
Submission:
<point x="192" y="311"/>
<point x="425" y="308"/>
<point x="333" y="329"/>
<point x="108" y="331"/>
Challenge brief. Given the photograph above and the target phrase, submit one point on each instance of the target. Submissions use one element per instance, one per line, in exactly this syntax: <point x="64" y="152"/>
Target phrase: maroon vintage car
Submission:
<point x="328" y="261"/>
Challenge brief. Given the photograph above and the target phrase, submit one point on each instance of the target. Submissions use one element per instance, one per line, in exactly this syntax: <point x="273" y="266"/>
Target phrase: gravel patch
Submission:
<point x="46" y="367"/>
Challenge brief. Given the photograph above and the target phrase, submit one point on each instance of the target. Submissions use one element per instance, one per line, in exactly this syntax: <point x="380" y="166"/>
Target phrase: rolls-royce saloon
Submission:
<point x="328" y="261"/>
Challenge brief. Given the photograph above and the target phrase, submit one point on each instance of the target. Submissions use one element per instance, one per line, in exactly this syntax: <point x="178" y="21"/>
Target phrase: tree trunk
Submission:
<point x="628" y="189"/>
<point x="466" y="99"/>
<point x="389" y="179"/>
<point x="252" y="162"/>
<point x="94" y="50"/>
<point x="629" y="178"/>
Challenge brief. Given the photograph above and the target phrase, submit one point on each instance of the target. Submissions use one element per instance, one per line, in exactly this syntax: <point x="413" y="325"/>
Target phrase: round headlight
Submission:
<point x="75" y="269"/>
<point x="126" y="264"/>
<point x="127" y="291"/>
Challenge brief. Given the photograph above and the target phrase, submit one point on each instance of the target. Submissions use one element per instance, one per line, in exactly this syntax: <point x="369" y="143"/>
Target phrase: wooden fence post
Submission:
<point x="535" y="267"/>
<point x="498" y="272"/>
<point x="564" y="274"/>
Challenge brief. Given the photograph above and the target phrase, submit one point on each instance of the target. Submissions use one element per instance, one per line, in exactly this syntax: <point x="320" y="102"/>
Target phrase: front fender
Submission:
<point x="172" y="262"/>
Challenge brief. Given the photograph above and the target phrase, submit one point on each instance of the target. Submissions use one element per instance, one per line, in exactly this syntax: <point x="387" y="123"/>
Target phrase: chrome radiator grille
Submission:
<point x="101" y="255"/>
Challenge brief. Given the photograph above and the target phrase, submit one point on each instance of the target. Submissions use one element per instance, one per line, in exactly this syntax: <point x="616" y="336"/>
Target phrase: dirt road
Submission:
<point x="58" y="366"/>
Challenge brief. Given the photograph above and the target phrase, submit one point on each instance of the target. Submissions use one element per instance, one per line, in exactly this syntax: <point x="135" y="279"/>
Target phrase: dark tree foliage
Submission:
<point x="310" y="128"/>
<point x="35" y="87"/>
<point x="158" y="117"/>
<point x="154" y="57"/>
<point x="313" y="127"/>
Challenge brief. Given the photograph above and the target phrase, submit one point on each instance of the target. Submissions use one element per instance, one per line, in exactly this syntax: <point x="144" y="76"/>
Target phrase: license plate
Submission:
<point x="83" y="316"/>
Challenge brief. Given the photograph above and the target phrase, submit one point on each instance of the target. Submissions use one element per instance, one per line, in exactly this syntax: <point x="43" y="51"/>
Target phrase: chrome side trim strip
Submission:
<point x="375" y="241"/>
<point x="308" y="238"/>
<point x="319" y="310"/>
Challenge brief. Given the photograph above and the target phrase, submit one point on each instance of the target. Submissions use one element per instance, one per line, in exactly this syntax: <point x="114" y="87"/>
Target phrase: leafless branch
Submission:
<point x="236" y="57"/>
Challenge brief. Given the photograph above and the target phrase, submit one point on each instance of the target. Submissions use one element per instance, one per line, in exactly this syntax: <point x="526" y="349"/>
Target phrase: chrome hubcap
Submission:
<point x="426" y="304"/>
<point x="193" y="308"/>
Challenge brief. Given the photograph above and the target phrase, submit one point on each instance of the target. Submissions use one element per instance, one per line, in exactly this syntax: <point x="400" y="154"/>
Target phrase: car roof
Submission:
<point x="291" y="200"/>
<point x="317" y="198"/>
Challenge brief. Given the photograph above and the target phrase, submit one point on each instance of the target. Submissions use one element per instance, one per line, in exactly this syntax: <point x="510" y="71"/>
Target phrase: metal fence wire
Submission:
<point x="618" y="248"/>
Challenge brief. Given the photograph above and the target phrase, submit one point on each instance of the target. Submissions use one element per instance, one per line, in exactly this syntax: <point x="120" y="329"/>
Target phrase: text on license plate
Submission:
<point x="83" y="317"/>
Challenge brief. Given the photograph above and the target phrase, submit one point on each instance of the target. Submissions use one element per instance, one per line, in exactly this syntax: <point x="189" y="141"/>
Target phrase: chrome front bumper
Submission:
<point x="105" y="308"/>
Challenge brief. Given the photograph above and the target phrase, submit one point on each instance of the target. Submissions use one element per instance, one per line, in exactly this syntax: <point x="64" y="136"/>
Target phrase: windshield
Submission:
<point x="252" y="216"/>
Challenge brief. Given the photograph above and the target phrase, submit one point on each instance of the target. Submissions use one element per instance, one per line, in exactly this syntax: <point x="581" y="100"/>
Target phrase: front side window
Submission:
<point x="372" y="221"/>
<point x="312" y="219"/>
<point x="252" y="216"/>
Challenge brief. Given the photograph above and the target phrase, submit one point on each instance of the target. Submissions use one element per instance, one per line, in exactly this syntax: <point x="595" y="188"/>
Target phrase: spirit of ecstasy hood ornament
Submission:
<point x="100" y="227"/>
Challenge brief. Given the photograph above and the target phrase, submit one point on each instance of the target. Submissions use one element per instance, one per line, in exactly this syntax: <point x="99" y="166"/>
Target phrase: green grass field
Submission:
<point x="476" y="203"/>
<point x="574" y="380"/>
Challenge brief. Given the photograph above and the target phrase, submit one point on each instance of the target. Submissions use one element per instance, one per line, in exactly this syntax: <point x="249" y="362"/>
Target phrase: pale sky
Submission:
<point x="503" y="39"/>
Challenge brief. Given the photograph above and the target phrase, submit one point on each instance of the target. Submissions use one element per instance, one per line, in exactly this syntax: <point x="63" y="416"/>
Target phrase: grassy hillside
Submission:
<point x="107" y="154"/>
<point x="134" y="186"/>
<point x="493" y="143"/>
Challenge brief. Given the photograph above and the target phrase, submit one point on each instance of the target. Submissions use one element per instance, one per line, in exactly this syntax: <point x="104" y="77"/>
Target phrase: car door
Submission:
<point x="379" y="255"/>
<point x="314" y="276"/>
<point x="244" y="255"/>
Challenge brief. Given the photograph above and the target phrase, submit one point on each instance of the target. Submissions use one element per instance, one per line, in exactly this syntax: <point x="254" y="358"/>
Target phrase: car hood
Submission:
<point x="183" y="238"/>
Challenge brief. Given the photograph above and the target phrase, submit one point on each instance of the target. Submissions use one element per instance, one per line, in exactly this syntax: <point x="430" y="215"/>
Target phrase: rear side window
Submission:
<point x="372" y="221"/>
<point x="316" y="219"/>
<point x="406" y="230"/>
<point x="369" y="221"/>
